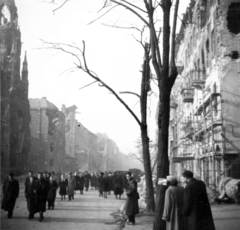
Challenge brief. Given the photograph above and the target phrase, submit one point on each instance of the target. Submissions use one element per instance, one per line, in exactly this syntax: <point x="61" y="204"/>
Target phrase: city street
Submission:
<point x="85" y="212"/>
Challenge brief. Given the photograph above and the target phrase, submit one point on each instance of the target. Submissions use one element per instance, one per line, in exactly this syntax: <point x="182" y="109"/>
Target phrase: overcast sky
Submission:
<point x="112" y="53"/>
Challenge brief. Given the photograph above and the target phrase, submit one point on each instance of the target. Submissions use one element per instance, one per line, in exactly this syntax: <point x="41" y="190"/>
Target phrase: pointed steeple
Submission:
<point x="25" y="69"/>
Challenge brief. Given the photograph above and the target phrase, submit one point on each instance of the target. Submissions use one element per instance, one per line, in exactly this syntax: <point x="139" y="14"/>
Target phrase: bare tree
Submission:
<point x="80" y="57"/>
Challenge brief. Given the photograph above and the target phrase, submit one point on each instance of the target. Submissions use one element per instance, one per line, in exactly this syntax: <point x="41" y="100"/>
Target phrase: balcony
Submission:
<point x="187" y="95"/>
<point x="197" y="78"/>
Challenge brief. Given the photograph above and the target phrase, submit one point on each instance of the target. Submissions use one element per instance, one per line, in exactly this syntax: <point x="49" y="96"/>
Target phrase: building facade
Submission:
<point x="15" y="116"/>
<point x="205" y="106"/>
<point x="47" y="137"/>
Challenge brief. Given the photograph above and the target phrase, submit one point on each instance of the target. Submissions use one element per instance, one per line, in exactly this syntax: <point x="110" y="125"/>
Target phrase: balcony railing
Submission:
<point x="187" y="95"/>
<point x="197" y="78"/>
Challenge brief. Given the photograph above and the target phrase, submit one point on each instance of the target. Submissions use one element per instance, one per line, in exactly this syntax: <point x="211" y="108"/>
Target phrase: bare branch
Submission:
<point x="87" y="85"/>
<point x="60" y="5"/>
<point x="127" y="92"/>
<point x="132" y="10"/>
<point x="134" y="6"/>
<point x="102" y="15"/>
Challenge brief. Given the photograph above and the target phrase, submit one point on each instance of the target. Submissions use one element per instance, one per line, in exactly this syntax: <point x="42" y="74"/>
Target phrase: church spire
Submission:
<point x="25" y="69"/>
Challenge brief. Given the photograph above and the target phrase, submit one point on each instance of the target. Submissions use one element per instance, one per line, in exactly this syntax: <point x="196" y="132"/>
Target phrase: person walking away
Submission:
<point x="131" y="207"/>
<point x="173" y="205"/>
<point x="71" y="186"/>
<point x="52" y="192"/>
<point x="100" y="184"/>
<point x="30" y="195"/>
<point x="196" y="207"/>
<point x="81" y="183"/>
<point x="63" y="183"/>
<point x="87" y="180"/>
<point x="105" y="185"/>
<point x="10" y="194"/>
<point x="41" y="195"/>
<point x="76" y="176"/>
<point x="118" y="186"/>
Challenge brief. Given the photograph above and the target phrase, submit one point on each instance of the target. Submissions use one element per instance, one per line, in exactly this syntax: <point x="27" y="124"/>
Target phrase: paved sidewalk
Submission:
<point x="226" y="217"/>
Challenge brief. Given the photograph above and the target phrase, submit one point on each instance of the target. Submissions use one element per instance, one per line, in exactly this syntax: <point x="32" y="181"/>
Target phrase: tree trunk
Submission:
<point x="148" y="172"/>
<point x="145" y="87"/>
<point x="163" y="161"/>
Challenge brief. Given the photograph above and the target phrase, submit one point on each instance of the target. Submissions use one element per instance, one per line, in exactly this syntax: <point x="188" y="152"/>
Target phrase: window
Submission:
<point x="233" y="18"/>
<point x="51" y="147"/>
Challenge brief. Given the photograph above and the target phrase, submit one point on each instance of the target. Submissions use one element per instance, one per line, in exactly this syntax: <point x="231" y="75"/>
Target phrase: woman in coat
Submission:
<point x="52" y="193"/>
<point x="173" y="205"/>
<point x="71" y="186"/>
<point x="63" y="183"/>
<point x="131" y="207"/>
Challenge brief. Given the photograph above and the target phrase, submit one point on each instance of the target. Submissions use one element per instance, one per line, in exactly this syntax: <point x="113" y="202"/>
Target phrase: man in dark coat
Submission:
<point x="196" y="207"/>
<point x="53" y="185"/>
<point x="41" y="195"/>
<point x="131" y="206"/>
<point x="10" y="194"/>
<point x="30" y="195"/>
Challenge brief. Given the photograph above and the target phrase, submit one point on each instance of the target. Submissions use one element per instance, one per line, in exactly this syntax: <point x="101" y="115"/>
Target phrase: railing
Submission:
<point x="187" y="95"/>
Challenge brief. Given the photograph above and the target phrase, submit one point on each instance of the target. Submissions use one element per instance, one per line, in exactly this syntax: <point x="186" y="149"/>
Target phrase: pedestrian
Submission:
<point x="53" y="185"/>
<point x="63" y="183"/>
<point x="173" y="205"/>
<point x="131" y="207"/>
<point x="93" y="181"/>
<point x="30" y="195"/>
<point x="118" y="186"/>
<point x="100" y="184"/>
<point x="81" y="183"/>
<point x="196" y="207"/>
<point x="30" y="174"/>
<point x="105" y="185"/>
<point x="41" y="195"/>
<point x="87" y="180"/>
<point x="76" y="176"/>
<point x="10" y="194"/>
<point x="71" y="186"/>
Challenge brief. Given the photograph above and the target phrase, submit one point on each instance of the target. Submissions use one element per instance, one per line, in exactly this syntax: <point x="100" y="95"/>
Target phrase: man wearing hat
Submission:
<point x="196" y="206"/>
<point x="10" y="194"/>
<point x="71" y="186"/>
<point x="173" y="205"/>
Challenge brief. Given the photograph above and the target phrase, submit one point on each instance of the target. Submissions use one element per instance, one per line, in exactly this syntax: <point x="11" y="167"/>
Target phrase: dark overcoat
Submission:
<point x="81" y="182"/>
<point x="87" y="180"/>
<point x="63" y="187"/>
<point x="52" y="190"/>
<point x="41" y="195"/>
<point x="173" y="205"/>
<point x="131" y="207"/>
<point x="30" y="195"/>
<point x="10" y="194"/>
<point x="196" y="206"/>
<point x="100" y="184"/>
<point x="77" y="182"/>
<point x="118" y="185"/>
<point x="93" y="180"/>
<point x="105" y="184"/>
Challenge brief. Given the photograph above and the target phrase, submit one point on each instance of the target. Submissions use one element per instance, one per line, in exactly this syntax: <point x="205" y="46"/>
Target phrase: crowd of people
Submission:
<point x="41" y="189"/>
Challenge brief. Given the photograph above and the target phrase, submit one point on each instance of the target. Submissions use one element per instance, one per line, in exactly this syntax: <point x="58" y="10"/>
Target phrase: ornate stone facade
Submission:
<point x="15" y="117"/>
